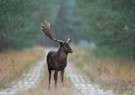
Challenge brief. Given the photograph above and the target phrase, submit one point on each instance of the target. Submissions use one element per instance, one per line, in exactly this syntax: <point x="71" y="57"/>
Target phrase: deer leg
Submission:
<point x="55" y="77"/>
<point x="49" y="78"/>
<point x="62" y="77"/>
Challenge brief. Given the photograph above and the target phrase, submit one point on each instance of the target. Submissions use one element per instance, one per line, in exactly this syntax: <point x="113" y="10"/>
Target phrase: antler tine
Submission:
<point x="47" y="31"/>
<point x="69" y="40"/>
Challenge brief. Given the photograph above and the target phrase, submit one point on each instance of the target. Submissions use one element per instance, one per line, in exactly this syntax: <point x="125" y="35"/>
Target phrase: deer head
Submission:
<point x="64" y="44"/>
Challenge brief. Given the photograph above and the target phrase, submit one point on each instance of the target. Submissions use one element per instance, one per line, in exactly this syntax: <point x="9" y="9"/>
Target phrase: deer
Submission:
<point x="56" y="60"/>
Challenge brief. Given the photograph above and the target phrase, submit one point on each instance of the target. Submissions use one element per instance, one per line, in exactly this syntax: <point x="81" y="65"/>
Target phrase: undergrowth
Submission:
<point x="15" y="63"/>
<point x="109" y="73"/>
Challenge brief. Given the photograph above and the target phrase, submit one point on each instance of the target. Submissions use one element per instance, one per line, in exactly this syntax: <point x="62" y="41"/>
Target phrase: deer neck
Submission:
<point x="61" y="54"/>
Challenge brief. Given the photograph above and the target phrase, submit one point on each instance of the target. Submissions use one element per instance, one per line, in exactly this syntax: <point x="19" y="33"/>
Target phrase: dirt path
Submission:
<point x="30" y="80"/>
<point x="78" y="83"/>
<point x="82" y="83"/>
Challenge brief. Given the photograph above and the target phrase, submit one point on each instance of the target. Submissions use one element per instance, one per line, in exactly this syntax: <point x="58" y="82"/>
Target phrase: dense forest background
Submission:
<point x="108" y="24"/>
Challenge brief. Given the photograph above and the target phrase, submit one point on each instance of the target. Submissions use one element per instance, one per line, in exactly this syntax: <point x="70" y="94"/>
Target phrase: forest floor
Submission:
<point x="106" y="72"/>
<point x="13" y="64"/>
<point x="35" y="82"/>
<point x="76" y="83"/>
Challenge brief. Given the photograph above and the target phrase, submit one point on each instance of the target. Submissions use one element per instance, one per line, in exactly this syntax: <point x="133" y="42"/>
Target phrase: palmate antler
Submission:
<point x="47" y="32"/>
<point x="46" y="29"/>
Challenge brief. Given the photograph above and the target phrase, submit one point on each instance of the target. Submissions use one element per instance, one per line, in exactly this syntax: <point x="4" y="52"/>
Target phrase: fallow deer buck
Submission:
<point x="56" y="60"/>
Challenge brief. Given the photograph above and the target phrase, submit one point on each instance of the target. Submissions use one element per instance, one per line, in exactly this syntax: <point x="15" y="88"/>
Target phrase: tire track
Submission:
<point x="30" y="80"/>
<point x="82" y="83"/>
<point x="79" y="80"/>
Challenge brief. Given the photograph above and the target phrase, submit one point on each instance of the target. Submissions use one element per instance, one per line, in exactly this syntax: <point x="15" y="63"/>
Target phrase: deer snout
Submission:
<point x="71" y="51"/>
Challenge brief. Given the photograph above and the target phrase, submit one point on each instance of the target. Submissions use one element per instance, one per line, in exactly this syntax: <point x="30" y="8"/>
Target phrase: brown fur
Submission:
<point x="57" y="61"/>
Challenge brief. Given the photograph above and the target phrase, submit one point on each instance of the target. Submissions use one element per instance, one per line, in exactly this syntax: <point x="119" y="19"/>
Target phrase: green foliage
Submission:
<point x="20" y="21"/>
<point x="110" y="24"/>
<point x="11" y="22"/>
<point x="67" y="23"/>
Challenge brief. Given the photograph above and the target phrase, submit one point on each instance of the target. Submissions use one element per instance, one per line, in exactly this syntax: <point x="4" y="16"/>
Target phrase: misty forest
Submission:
<point x="103" y="41"/>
